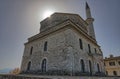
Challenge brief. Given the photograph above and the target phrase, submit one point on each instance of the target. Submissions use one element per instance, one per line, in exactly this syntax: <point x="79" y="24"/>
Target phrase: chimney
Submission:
<point x="111" y="56"/>
<point x="105" y="57"/>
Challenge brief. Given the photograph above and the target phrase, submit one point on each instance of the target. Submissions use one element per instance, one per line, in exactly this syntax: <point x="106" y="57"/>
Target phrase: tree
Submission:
<point x="15" y="71"/>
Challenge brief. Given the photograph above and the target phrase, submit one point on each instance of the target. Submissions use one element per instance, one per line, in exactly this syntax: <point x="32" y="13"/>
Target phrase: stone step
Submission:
<point x="9" y="76"/>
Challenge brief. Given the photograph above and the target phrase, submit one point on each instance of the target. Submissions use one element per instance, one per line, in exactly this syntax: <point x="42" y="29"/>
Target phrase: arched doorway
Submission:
<point x="98" y="68"/>
<point x="82" y="65"/>
<point x="90" y="67"/>
<point x="43" y="66"/>
<point x="28" y="66"/>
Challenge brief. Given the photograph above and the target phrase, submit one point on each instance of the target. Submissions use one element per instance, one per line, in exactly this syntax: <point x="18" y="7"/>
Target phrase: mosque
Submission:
<point x="65" y="45"/>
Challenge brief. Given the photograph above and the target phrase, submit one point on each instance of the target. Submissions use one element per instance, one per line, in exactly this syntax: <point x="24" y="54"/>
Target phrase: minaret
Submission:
<point x="90" y="20"/>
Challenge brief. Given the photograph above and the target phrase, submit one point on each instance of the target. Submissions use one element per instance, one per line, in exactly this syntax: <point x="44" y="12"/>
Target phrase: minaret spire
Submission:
<point x="87" y="6"/>
<point x="88" y="12"/>
<point x="90" y="20"/>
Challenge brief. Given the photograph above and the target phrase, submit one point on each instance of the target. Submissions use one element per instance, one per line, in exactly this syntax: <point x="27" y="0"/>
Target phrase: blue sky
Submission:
<point x="19" y="20"/>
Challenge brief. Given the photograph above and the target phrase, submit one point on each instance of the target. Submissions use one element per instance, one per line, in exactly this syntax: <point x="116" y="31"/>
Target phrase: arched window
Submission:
<point x="45" y="46"/>
<point x="43" y="66"/>
<point x="98" y="68"/>
<point x="31" y="50"/>
<point x="89" y="48"/>
<point x="90" y="67"/>
<point x="115" y="73"/>
<point x="28" y="66"/>
<point x="81" y="44"/>
<point x="82" y="65"/>
<point x="95" y="50"/>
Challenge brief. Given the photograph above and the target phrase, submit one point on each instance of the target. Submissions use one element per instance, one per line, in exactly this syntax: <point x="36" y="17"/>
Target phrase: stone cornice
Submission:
<point x="48" y="31"/>
<point x="67" y="23"/>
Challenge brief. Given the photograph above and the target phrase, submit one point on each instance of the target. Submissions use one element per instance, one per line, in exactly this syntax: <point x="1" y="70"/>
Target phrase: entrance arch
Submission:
<point x="82" y="65"/>
<point x="29" y="65"/>
<point x="98" y="67"/>
<point x="90" y="67"/>
<point x="43" y="66"/>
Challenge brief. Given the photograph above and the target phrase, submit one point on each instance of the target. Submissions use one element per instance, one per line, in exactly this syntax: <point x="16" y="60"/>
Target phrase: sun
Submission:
<point x="47" y="13"/>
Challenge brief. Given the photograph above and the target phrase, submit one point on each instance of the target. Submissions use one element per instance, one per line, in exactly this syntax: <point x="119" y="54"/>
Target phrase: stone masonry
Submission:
<point x="64" y="46"/>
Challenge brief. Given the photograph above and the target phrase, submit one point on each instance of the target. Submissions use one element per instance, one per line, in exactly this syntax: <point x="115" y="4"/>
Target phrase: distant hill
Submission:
<point x="5" y="71"/>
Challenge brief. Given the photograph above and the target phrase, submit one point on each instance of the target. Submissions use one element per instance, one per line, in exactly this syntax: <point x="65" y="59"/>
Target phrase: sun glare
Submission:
<point x="47" y="14"/>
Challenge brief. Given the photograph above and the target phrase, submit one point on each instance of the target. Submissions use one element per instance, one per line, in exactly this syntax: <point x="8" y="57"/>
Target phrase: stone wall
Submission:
<point x="51" y="77"/>
<point x="58" y="18"/>
<point x="55" y="53"/>
<point x="63" y="53"/>
<point x="95" y="57"/>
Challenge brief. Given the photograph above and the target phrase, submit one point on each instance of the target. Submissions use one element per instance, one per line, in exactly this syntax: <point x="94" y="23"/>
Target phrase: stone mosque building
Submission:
<point x="66" y="45"/>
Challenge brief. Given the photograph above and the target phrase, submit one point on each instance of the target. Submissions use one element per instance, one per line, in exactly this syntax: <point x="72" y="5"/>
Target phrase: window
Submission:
<point x="43" y="66"/>
<point x="119" y="62"/>
<point x="95" y="50"/>
<point x="45" y="46"/>
<point x="82" y="66"/>
<point x="106" y="72"/>
<point x="89" y="49"/>
<point x="29" y="65"/>
<point x="114" y="73"/>
<point x="112" y="63"/>
<point x="31" y="50"/>
<point x="104" y="64"/>
<point x="81" y="45"/>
